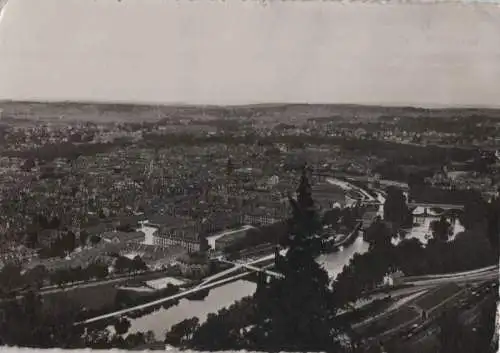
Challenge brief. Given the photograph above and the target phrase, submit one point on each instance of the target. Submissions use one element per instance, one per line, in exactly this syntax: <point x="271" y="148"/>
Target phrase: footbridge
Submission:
<point x="209" y="282"/>
<point x="444" y="206"/>
<point x="254" y="268"/>
<point x="177" y="296"/>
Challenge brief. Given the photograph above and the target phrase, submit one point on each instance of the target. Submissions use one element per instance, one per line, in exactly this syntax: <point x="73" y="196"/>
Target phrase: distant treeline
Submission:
<point x="397" y="153"/>
<point x="348" y="110"/>
<point x="66" y="150"/>
<point x="426" y="193"/>
<point x="411" y="152"/>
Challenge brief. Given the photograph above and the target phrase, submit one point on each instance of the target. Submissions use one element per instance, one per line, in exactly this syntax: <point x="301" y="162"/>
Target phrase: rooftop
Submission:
<point x="122" y="236"/>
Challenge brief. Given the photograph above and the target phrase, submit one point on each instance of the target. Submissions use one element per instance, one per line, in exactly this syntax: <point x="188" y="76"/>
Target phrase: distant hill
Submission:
<point x="105" y="112"/>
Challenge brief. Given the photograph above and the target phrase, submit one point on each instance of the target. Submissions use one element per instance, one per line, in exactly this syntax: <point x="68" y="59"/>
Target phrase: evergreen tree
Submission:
<point x="305" y="223"/>
<point x="396" y="209"/>
<point x="297" y="313"/>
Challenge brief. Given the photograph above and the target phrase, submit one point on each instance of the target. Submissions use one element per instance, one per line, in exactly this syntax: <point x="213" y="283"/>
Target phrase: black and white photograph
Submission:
<point x="249" y="176"/>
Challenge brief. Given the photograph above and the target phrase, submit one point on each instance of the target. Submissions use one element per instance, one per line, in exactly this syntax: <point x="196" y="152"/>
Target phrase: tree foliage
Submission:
<point x="182" y="332"/>
<point x="27" y="323"/>
<point x="441" y="229"/>
<point x="298" y="312"/>
<point x="396" y="209"/>
<point x="122" y="326"/>
<point x="378" y="234"/>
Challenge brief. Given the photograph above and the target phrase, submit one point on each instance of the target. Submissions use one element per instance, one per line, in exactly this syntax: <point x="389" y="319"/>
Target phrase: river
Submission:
<point x="162" y="320"/>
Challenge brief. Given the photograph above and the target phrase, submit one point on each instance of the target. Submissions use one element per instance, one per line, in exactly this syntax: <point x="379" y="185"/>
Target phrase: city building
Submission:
<point x="193" y="266"/>
<point x="395" y="278"/>
<point x="47" y="236"/>
<point x="123" y="237"/>
<point x="165" y="240"/>
<point x="260" y="218"/>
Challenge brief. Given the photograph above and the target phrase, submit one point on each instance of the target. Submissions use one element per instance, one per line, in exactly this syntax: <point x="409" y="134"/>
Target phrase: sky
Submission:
<point x="241" y="52"/>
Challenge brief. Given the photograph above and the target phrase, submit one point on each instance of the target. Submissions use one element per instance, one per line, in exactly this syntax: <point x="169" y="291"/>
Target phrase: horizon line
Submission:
<point x="434" y="106"/>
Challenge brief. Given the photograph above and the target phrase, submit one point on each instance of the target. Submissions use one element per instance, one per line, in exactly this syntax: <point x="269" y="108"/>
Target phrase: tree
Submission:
<point x="331" y="217"/>
<point x="493" y="223"/>
<point x="305" y="224"/>
<point x="122" y="264"/>
<point x="395" y="207"/>
<point x="441" y="229"/>
<point x="42" y="221"/>
<point x="54" y="223"/>
<point x="135" y="339"/>
<point x="297" y="312"/>
<point x="149" y="336"/>
<point x="10" y="277"/>
<point x="485" y="328"/>
<point x="138" y="264"/>
<point x="416" y="180"/>
<point x="95" y="239"/>
<point x="182" y="332"/>
<point x="69" y="241"/>
<point x="204" y="246"/>
<point x="474" y="213"/>
<point x="122" y="326"/>
<point x="28" y="164"/>
<point x="378" y="234"/>
<point x="101" y="214"/>
<point x="28" y="324"/>
<point x="32" y="238"/>
<point x="84" y="236"/>
<point x="127" y="228"/>
<point x="37" y="275"/>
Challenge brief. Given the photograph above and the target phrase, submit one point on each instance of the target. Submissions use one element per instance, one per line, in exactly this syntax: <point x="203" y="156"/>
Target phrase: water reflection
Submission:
<point x="162" y="320"/>
<point x="334" y="262"/>
<point x="423" y="229"/>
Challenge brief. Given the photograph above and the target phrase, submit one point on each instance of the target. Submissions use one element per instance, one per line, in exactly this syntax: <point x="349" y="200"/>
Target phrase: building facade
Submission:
<point x="163" y="240"/>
